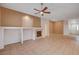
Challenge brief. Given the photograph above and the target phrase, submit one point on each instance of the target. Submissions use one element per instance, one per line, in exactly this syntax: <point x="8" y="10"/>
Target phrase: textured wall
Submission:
<point x="13" y="18"/>
<point x="36" y="22"/>
<point x="0" y="16"/>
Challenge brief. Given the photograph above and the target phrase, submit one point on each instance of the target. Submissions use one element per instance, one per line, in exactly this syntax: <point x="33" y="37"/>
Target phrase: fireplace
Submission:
<point x="39" y="33"/>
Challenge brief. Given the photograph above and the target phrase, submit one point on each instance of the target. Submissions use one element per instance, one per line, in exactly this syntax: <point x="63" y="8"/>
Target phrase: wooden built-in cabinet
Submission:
<point x="56" y="27"/>
<point x="51" y="27"/>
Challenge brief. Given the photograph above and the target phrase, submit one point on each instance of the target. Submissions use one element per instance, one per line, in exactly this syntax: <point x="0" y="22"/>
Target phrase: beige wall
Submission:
<point x="0" y="16"/>
<point x="56" y="27"/>
<point x="36" y="22"/>
<point x="14" y="18"/>
<point x="11" y="18"/>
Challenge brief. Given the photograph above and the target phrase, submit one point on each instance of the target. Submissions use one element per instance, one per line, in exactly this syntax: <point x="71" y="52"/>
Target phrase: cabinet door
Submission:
<point x="51" y="27"/>
<point x="58" y="27"/>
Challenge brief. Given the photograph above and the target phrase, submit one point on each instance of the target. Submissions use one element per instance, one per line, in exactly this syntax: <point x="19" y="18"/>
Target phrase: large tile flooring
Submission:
<point x="54" y="45"/>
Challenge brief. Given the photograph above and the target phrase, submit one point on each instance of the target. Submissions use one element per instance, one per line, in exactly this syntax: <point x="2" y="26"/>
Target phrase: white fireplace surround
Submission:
<point x="11" y="35"/>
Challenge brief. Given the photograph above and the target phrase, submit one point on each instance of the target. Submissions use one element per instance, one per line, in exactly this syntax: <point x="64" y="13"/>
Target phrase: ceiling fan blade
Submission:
<point x="47" y="12"/>
<point x="37" y="12"/>
<point x="36" y="9"/>
<point x="45" y="8"/>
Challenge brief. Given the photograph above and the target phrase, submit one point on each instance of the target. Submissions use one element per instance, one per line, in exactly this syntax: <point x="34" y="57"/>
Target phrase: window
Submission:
<point x="74" y="28"/>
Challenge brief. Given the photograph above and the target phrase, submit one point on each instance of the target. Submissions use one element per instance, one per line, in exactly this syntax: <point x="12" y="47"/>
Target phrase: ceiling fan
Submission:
<point x="42" y="11"/>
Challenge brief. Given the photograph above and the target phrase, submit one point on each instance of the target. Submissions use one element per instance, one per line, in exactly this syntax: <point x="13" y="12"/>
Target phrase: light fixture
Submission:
<point x="41" y="13"/>
<point x="43" y="10"/>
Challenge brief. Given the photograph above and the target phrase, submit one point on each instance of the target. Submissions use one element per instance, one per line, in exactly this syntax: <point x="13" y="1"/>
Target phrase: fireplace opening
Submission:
<point x="39" y="33"/>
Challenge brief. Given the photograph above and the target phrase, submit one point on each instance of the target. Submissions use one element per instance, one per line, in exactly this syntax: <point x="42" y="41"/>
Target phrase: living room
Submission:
<point x="39" y="28"/>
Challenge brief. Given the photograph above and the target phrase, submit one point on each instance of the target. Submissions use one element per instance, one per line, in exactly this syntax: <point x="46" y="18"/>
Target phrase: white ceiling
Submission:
<point x="59" y="11"/>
